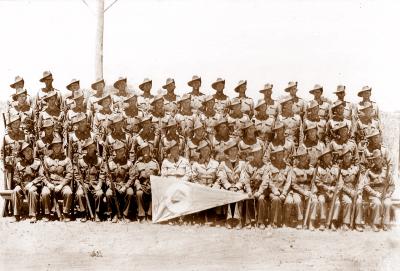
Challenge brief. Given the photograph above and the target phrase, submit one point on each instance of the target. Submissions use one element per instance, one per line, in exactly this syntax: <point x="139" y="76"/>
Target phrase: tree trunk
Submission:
<point x="99" y="39"/>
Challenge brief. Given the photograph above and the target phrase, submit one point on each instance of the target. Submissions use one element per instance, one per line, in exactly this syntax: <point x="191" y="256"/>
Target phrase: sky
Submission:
<point x="354" y="43"/>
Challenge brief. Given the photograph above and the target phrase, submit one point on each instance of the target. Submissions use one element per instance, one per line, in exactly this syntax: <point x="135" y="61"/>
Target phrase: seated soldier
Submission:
<point x="27" y="182"/>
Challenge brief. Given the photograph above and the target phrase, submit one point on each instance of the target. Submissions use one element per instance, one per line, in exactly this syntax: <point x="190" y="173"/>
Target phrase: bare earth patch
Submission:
<point x="133" y="246"/>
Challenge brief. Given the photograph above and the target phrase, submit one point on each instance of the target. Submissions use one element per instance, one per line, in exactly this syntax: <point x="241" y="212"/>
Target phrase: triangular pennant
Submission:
<point x="173" y="198"/>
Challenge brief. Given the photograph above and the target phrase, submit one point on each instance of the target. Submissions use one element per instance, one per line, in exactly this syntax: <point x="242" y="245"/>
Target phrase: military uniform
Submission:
<point x="144" y="100"/>
<point x="179" y="169"/>
<point x="25" y="111"/>
<point x="101" y="122"/>
<point x="205" y="172"/>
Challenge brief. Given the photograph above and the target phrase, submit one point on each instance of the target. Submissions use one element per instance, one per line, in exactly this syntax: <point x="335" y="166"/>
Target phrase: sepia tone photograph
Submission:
<point x="199" y="135"/>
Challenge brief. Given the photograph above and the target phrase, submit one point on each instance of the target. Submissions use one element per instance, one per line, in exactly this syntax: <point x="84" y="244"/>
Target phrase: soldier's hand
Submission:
<point x="276" y="193"/>
<point x="257" y="194"/>
<point x="250" y="195"/>
<point x="282" y="197"/>
<point x="58" y="188"/>
<point x="378" y="195"/>
<point x="50" y="186"/>
<point x="122" y="190"/>
<point x="28" y="186"/>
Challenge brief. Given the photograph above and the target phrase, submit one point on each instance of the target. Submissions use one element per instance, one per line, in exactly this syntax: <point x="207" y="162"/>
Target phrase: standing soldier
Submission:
<point x="209" y="117"/>
<point x="196" y="96"/>
<point x="90" y="172"/>
<point x="22" y="107"/>
<point x="221" y="100"/>
<point x="252" y="176"/>
<point x="221" y="139"/>
<point x="27" y="182"/>
<point x="78" y="107"/>
<point x="121" y="94"/>
<point x="342" y="140"/>
<point x="278" y="177"/>
<point x="313" y="145"/>
<point x="236" y="119"/>
<point x="158" y="113"/>
<point x="45" y="137"/>
<point x="304" y="190"/>
<point x="73" y="86"/>
<point x="102" y="120"/>
<point x="175" y="165"/>
<point x="170" y="98"/>
<point x="273" y="107"/>
<point x="144" y="167"/>
<point x="78" y="137"/>
<point x="298" y="104"/>
<point x="57" y="169"/>
<point x="98" y="87"/>
<point x="365" y="122"/>
<point x="117" y="134"/>
<point x="148" y="135"/>
<point x="279" y="139"/>
<point x="185" y="117"/>
<point x="365" y="94"/>
<point x="119" y="184"/>
<point x="326" y="180"/>
<point x="323" y="103"/>
<point x="348" y="107"/>
<point x="249" y="141"/>
<point x="336" y="119"/>
<point x="39" y="103"/>
<point x="131" y="113"/>
<point x="191" y="147"/>
<point x="352" y="191"/>
<point x="171" y="134"/>
<point x="312" y="117"/>
<point x="18" y="84"/>
<point x="263" y="122"/>
<point x="379" y="187"/>
<point x="246" y="103"/>
<point x="291" y="121"/>
<point x="145" y="99"/>
<point x="228" y="177"/>
<point x="52" y="111"/>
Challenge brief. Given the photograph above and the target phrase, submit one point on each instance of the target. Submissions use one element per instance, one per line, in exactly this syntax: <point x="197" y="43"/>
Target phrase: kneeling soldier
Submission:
<point x="90" y="172"/>
<point x="120" y="192"/>
<point x="58" y="171"/>
<point x="141" y="172"/>
<point x="27" y="182"/>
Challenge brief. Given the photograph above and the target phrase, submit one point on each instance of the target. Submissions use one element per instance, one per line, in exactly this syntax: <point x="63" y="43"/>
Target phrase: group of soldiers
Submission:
<point x="304" y="164"/>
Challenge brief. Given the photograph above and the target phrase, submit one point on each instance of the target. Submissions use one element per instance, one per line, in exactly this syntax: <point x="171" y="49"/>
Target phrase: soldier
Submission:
<point x="221" y="139"/>
<point x="209" y="117"/>
<point x="323" y="103"/>
<point x="298" y="103"/>
<point x="252" y="176"/>
<point x="122" y="92"/>
<point x="291" y="121"/>
<point x="171" y="134"/>
<point x="148" y="135"/>
<point x="39" y="102"/>
<point x="98" y="87"/>
<point x="279" y="139"/>
<point x="78" y="137"/>
<point x="278" y="181"/>
<point x="102" y="120"/>
<point x="159" y="116"/>
<point x="131" y="114"/>
<point x="304" y="190"/>
<point x="325" y="180"/>
<point x="204" y="172"/>
<point x="144" y="167"/>
<point x="119" y="192"/>
<point x="196" y="96"/>
<point x="263" y="122"/>
<point x="45" y="137"/>
<point x="191" y="146"/>
<point x="27" y="182"/>
<point x="21" y="106"/>
<point x="18" y="84"/>
<point x="58" y="172"/>
<point x="246" y="103"/>
<point x="365" y="122"/>
<point x="336" y="119"/>
<point x="90" y="172"/>
<point x="170" y="98"/>
<point x="221" y="100"/>
<point x="249" y="141"/>
<point x="351" y="191"/>
<point x="145" y="99"/>
<point x="365" y="94"/>
<point x="185" y="117"/>
<point x="236" y="119"/>
<point x="52" y="111"/>
<point x="342" y="140"/>
<point x="175" y="165"/>
<point x="118" y="134"/>
<point x="78" y="107"/>
<point x="379" y="187"/>
<point x="312" y="117"/>
<point x="228" y="177"/>
<point x="73" y="86"/>
<point x="348" y="107"/>
<point x="313" y="145"/>
<point x="374" y="142"/>
<point x="273" y="107"/>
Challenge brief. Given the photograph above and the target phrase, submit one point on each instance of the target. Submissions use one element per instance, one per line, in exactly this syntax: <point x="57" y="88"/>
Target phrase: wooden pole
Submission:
<point x="99" y="39"/>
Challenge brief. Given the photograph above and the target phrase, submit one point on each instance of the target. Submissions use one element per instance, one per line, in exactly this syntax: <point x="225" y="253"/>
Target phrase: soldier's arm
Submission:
<point x="295" y="186"/>
<point x="222" y="177"/>
<point x="287" y="184"/>
<point x="368" y="187"/>
<point x="244" y="180"/>
<point x="319" y="183"/>
<point x="188" y="171"/>
<point x="264" y="183"/>
<point x="68" y="173"/>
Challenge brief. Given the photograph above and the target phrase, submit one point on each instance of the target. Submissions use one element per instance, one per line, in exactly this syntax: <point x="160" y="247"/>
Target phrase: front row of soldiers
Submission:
<point x="331" y="191"/>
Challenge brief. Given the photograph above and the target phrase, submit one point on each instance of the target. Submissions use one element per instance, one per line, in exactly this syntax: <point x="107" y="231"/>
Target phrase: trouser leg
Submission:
<point x="347" y="206"/>
<point x="262" y="210"/>
<point x="46" y="200"/>
<point x="127" y="201"/>
<point x="276" y="209"/>
<point x="33" y="199"/>
<point x="140" y="203"/>
<point x="387" y="205"/>
<point x="376" y="210"/>
<point x="66" y="194"/>
<point x="17" y="198"/>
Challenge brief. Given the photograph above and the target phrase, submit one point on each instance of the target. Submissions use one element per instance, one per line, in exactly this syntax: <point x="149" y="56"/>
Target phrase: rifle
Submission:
<point x="85" y="192"/>
<point x="46" y="175"/>
<point x="6" y="202"/>
<point x="335" y="194"/>
<point x="353" y="206"/>
<point x="112" y="186"/>
<point x="70" y="155"/>
<point x="309" y="198"/>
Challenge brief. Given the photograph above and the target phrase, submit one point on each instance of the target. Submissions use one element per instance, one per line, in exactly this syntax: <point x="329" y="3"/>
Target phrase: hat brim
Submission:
<point x="166" y="85"/>
<point x="339" y="91"/>
<point x="69" y="85"/>
<point x="216" y="83"/>
<point x="144" y="83"/>
<point x="238" y="86"/>
<point x="46" y="77"/>
<point x="264" y="90"/>
<point x="95" y="84"/>
<point x="192" y="81"/>
<point x="316" y="89"/>
<point x="19" y="81"/>
<point x="118" y="81"/>
<point x="359" y="94"/>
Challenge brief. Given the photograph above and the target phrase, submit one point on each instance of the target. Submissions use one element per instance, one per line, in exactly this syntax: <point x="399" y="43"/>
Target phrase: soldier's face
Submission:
<point x="52" y="100"/>
<point x="343" y="132"/>
<point x="120" y="153"/>
<point x="312" y="134"/>
<point x="250" y="131"/>
<point x="205" y="152"/>
<point x="341" y="95"/>
<point x="339" y="110"/>
<point x="279" y="156"/>
<point x="27" y="153"/>
<point x="119" y="125"/>
<point x="257" y="156"/>
<point x="317" y="94"/>
<point x="242" y="88"/>
<point x="220" y="86"/>
<point x="375" y="140"/>
<point x="147" y="87"/>
<point x="223" y="129"/>
<point x="185" y="105"/>
<point x="106" y="102"/>
<point x="75" y="86"/>
<point x="267" y="93"/>
<point x="287" y="107"/>
<point x="236" y="108"/>
<point x="347" y="158"/>
<point x="20" y="84"/>
<point x="82" y="125"/>
<point x="159" y="104"/>
<point x="210" y="104"/>
<point x="171" y="87"/>
<point x="100" y="86"/>
<point x="21" y="98"/>
<point x="146" y="152"/>
<point x="378" y="161"/>
<point x="293" y="91"/>
<point x="233" y="152"/>
<point x="303" y="159"/>
<point x="146" y="125"/>
<point x="48" y="82"/>
<point x="174" y="151"/>
<point x="196" y="84"/>
<point x="79" y="101"/>
<point x="121" y="85"/>
<point x="327" y="158"/>
<point x="366" y="94"/>
<point x="15" y="125"/>
<point x="48" y="130"/>
<point x="280" y="133"/>
<point x="199" y="132"/>
<point x="314" y="111"/>
<point x="262" y="109"/>
<point x="91" y="149"/>
<point x="57" y="148"/>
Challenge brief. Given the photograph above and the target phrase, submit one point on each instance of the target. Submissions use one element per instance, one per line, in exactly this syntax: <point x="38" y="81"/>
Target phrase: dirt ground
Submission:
<point x="134" y="246"/>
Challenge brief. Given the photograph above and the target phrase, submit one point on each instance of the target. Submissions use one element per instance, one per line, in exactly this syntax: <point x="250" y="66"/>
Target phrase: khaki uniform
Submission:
<point x="58" y="119"/>
<point x="375" y="186"/>
<point x="159" y="122"/>
<point x="191" y="151"/>
<point x="60" y="173"/>
<point x="287" y="145"/>
<point x="350" y="190"/>
<point x="92" y="174"/>
<point x="205" y="173"/>
<point x="130" y="121"/>
<point x="236" y="124"/>
<point x="164" y="142"/>
<point x="293" y="128"/>
<point x="153" y="140"/>
<point x="76" y="143"/>
<point x="332" y="123"/>
<point x="221" y="106"/>
<point x="100" y="126"/>
<point x="27" y="119"/>
<point x="247" y="106"/>
<point x="337" y="148"/>
<point x="218" y="146"/>
<point x="118" y="101"/>
<point x="324" y="109"/>
<point x="43" y="143"/>
<point x="180" y="169"/>
<point x="362" y="128"/>
<point x="321" y="127"/>
<point x="185" y="123"/>
<point x="196" y="102"/>
<point x="141" y="173"/>
<point x="245" y="149"/>
<point x="171" y="107"/>
<point x="264" y="128"/>
<point x="314" y="150"/>
<point x="110" y="141"/>
<point x="325" y="181"/>
<point x="27" y="178"/>
<point x="40" y="103"/>
<point x="209" y="123"/>
<point x="375" y="110"/>
<point x="366" y="153"/>
<point x="144" y="103"/>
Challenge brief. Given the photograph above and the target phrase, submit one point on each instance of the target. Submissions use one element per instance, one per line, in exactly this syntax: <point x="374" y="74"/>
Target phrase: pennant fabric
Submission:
<point x="172" y="198"/>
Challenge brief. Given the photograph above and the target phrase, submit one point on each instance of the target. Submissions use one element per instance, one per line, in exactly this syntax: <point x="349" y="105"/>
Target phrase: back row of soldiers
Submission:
<point x="285" y="154"/>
